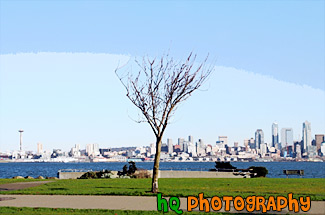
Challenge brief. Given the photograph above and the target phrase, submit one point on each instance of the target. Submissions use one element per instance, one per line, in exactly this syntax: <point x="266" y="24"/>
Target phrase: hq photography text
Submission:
<point x="250" y="203"/>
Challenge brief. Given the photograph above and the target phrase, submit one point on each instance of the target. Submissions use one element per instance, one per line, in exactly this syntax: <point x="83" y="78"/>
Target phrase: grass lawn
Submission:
<point x="315" y="188"/>
<point x="59" y="211"/>
<point x="8" y="180"/>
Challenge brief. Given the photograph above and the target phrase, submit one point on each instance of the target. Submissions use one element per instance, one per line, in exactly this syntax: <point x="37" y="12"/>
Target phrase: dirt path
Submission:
<point x="21" y="185"/>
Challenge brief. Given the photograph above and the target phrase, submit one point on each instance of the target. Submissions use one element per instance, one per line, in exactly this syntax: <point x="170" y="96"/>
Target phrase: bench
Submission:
<point x="293" y="172"/>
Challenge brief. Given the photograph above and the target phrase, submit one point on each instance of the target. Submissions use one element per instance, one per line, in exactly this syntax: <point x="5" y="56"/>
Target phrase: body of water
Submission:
<point x="8" y="170"/>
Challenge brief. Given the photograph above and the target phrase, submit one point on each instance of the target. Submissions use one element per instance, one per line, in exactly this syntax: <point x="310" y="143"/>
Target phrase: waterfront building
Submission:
<point x="319" y="138"/>
<point x="223" y="139"/>
<point x="322" y="149"/>
<point x="152" y="149"/>
<point x="92" y="149"/>
<point x="306" y="136"/>
<point x="275" y="134"/>
<point x="312" y="152"/>
<point x="191" y="149"/>
<point x="75" y="151"/>
<point x="263" y="149"/>
<point x="259" y="138"/>
<point x="246" y="142"/>
<point x="236" y="145"/>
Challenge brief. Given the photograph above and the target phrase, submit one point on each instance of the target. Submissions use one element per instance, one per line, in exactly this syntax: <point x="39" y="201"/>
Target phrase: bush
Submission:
<point x="259" y="170"/>
<point x="100" y="174"/>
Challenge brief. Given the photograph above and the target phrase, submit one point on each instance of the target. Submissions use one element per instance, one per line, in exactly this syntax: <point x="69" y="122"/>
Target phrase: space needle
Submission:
<point x="21" y="139"/>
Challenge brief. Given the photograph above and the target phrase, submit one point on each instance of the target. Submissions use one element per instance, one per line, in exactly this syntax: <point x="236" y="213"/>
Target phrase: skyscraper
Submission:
<point x="275" y="134"/>
<point x="170" y="145"/>
<point x="181" y="143"/>
<point x="39" y="148"/>
<point x="306" y="136"/>
<point x="319" y="138"/>
<point x="190" y="139"/>
<point x="286" y="137"/>
<point x="259" y="138"/>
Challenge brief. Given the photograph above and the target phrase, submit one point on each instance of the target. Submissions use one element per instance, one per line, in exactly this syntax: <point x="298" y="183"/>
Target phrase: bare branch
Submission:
<point x="156" y="87"/>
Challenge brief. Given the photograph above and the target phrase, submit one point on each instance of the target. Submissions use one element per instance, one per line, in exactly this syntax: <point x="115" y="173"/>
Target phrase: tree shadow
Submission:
<point x="59" y="188"/>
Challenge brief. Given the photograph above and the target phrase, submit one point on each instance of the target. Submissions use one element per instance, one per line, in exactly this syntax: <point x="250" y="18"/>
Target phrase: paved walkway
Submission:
<point x="105" y="202"/>
<point x="113" y="203"/>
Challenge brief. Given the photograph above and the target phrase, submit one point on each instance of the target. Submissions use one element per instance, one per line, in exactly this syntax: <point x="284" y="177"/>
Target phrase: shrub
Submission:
<point x="100" y="174"/>
<point x="259" y="170"/>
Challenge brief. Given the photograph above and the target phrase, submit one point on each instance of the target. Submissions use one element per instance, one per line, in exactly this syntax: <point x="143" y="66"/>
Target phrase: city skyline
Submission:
<point x="286" y="140"/>
<point x="306" y="149"/>
<point x="57" y="79"/>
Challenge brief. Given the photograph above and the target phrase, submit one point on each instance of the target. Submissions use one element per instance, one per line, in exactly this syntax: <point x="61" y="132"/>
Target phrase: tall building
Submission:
<point x="164" y="147"/>
<point x="286" y="137"/>
<point x="246" y="142"/>
<point x="92" y="149"/>
<point x="170" y="145"/>
<point x="191" y="149"/>
<point x="223" y="139"/>
<point x="75" y="151"/>
<point x="263" y="147"/>
<point x="39" y="148"/>
<point x="236" y="144"/>
<point x="152" y="149"/>
<point x="190" y="139"/>
<point x="298" y="151"/>
<point x="319" y="138"/>
<point x="181" y="143"/>
<point x="306" y="136"/>
<point x="322" y="149"/>
<point x="275" y="134"/>
<point x="185" y="146"/>
<point x="200" y="148"/>
<point x="259" y="138"/>
<point x="251" y="143"/>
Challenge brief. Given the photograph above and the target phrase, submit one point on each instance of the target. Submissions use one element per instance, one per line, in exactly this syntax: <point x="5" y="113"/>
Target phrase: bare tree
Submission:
<point x="157" y="87"/>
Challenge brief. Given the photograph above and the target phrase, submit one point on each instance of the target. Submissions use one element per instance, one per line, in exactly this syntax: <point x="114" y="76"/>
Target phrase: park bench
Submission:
<point x="293" y="172"/>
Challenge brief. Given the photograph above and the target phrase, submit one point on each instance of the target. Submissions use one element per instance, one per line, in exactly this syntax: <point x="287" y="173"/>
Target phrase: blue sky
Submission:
<point x="57" y="62"/>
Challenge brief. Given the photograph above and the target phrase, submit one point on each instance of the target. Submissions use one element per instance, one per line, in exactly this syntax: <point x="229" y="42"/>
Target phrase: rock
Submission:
<point x="40" y="177"/>
<point x="29" y="177"/>
<point x="114" y="172"/>
<point x="18" y="177"/>
<point x="55" y="178"/>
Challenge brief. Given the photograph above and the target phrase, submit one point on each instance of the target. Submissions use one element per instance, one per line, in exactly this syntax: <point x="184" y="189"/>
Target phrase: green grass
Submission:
<point x="60" y="211"/>
<point x="315" y="188"/>
<point x="8" y="180"/>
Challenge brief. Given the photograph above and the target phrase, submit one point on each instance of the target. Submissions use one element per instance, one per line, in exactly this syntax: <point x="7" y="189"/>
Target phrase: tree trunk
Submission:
<point x="155" y="171"/>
